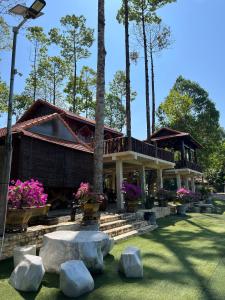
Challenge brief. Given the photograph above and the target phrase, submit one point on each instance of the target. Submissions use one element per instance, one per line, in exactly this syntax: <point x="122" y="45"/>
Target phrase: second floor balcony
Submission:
<point x="121" y="144"/>
<point x="185" y="164"/>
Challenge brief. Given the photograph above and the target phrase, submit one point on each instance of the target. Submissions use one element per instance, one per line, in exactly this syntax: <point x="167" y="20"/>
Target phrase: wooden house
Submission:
<point x="185" y="149"/>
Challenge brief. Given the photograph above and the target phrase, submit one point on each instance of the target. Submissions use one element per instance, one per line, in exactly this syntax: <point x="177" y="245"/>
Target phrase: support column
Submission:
<point x="143" y="182"/>
<point x="178" y="181"/>
<point x="113" y="181"/>
<point x="119" y="182"/>
<point x="160" y="178"/>
<point x="193" y="184"/>
<point x="187" y="183"/>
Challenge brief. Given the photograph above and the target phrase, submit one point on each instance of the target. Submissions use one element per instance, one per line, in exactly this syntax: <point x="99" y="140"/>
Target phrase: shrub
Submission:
<point x="29" y="193"/>
<point x="85" y="194"/>
<point x="132" y="192"/>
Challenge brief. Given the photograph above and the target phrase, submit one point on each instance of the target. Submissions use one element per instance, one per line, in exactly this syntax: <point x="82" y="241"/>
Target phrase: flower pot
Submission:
<point x="17" y="219"/>
<point x="38" y="212"/>
<point x="150" y="217"/>
<point x="91" y="212"/>
<point x="181" y="210"/>
<point x="132" y="206"/>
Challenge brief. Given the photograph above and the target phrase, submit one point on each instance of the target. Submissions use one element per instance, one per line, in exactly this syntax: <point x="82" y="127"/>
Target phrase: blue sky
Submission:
<point x="197" y="53"/>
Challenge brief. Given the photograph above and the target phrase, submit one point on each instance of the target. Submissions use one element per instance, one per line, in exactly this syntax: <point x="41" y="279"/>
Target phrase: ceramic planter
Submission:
<point x="17" y="219"/>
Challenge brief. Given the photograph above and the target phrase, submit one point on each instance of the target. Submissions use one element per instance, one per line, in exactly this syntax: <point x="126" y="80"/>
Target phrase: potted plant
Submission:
<point x="89" y="201"/>
<point x="25" y="200"/>
<point x="132" y="194"/>
<point x="183" y="196"/>
<point x="163" y="196"/>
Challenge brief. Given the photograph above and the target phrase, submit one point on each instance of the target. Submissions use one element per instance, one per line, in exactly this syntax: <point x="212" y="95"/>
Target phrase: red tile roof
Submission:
<point x="65" y="112"/>
<point x="22" y="127"/>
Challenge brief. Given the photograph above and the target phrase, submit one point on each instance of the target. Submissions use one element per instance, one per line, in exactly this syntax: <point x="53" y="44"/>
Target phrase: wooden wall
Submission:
<point x="54" y="165"/>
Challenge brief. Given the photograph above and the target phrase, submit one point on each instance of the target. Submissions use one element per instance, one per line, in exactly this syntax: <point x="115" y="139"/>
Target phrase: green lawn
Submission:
<point x="183" y="259"/>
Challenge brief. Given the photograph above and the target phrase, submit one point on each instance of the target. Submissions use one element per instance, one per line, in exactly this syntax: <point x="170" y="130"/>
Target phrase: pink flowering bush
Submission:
<point x="85" y="194"/>
<point x="184" y="195"/>
<point x="131" y="191"/>
<point x="29" y="193"/>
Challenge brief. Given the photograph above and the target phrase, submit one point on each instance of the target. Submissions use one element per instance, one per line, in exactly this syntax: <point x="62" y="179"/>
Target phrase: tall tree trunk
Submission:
<point x="100" y="104"/>
<point x="153" y="90"/>
<point x="74" y="76"/>
<point x="35" y="73"/>
<point x="127" y="51"/>
<point x="148" y="118"/>
<point x="54" y="84"/>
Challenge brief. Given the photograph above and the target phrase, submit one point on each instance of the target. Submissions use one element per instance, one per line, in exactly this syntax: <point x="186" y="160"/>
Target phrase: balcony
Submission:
<point x="185" y="164"/>
<point x="120" y="144"/>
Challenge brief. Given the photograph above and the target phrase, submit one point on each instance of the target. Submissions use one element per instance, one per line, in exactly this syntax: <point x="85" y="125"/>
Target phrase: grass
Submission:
<point x="183" y="259"/>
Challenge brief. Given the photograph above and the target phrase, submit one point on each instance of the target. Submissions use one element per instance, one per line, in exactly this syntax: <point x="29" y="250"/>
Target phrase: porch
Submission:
<point x="121" y="159"/>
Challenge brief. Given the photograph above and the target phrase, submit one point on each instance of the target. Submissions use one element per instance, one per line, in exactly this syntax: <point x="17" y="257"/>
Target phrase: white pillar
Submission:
<point x="178" y="181"/>
<point x="119" y="182"/>
<point x="187" y="183"/>
<point x="160" y="178"/>
<point x="113" y="181"/>
<point x="193" y="184"/>
<point x="143" y="182"/>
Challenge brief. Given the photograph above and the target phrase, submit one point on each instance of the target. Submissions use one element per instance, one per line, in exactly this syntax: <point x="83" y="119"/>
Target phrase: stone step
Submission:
<point x="114" y="224"/>
<point x="115" y="217"/>
<point x="134" y="233"/>
<point x="125" y="228"/>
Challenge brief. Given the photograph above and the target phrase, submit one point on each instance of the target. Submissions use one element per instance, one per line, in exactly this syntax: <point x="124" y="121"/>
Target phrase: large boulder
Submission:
<point x="61" y="246"/>
<point x="28" y="274"/>
<point x="20" y="252"/>
<point x="130" y="263"/>
<point x="75" y="279"/>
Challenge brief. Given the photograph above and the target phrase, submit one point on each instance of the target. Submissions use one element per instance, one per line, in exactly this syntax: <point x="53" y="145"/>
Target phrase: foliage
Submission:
<point x="85" y="194"/>
<point x="188" y="108"/>
<point x="115" y="112"/>
<point x="29" y="193"/>
<point x="216" y="171"/>
<point x="86" y="91"/>
<point x="4" y="94"/>
<point x="39" y="42"/>
<point x="4" y="35"/>
<point x="132" y="192"/>
<point x="51" y="73"/>
<point x="21" y="103"/>
<point x="74" y="40"/>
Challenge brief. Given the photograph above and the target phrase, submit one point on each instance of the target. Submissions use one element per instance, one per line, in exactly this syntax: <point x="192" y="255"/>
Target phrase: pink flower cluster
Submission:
<point x="85" y="194"/>
<point x="183" y="192"/>
<point x="29" y="193"/>
<point x="83" y="191"/>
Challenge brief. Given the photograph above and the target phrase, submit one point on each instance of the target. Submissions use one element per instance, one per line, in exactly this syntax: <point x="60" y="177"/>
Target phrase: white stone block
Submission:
<point x="20" y="252"/>
<point x="130" y="263"/>
<point x="28" y="274"/>
<point x="61" y="246"/>
<point x="75" y="279"/>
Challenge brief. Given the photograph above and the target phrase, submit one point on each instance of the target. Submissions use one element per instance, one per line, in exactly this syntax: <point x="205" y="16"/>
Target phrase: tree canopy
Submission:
<point x="188" y="108"/>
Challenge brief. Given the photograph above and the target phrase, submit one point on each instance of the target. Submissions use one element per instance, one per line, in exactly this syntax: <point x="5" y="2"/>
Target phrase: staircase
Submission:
<point x="123" y="226"/>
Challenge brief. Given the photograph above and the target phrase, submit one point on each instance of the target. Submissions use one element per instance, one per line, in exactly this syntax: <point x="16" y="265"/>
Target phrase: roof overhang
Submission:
<point x="135" y="158"/>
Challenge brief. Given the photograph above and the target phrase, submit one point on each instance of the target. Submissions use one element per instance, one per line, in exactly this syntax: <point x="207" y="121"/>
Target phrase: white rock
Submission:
<point x="130" y="263"/>
<point x="61" y="246"/>
<point x="20" y="252"/>
<point x="28" y="274"/>
<point x="75" y="279"/>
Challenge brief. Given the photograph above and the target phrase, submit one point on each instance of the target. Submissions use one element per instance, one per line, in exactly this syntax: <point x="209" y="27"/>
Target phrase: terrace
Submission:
<point x="122" y="158"/>
<point x="121" y="144"/>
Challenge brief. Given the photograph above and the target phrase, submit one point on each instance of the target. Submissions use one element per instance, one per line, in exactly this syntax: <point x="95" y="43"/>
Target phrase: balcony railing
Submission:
<point x="185" y="164"/>
<point x="121" y="145"/>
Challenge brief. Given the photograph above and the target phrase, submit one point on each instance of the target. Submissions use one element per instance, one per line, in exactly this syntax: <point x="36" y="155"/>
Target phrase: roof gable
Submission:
<point x="54" y="109"/>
